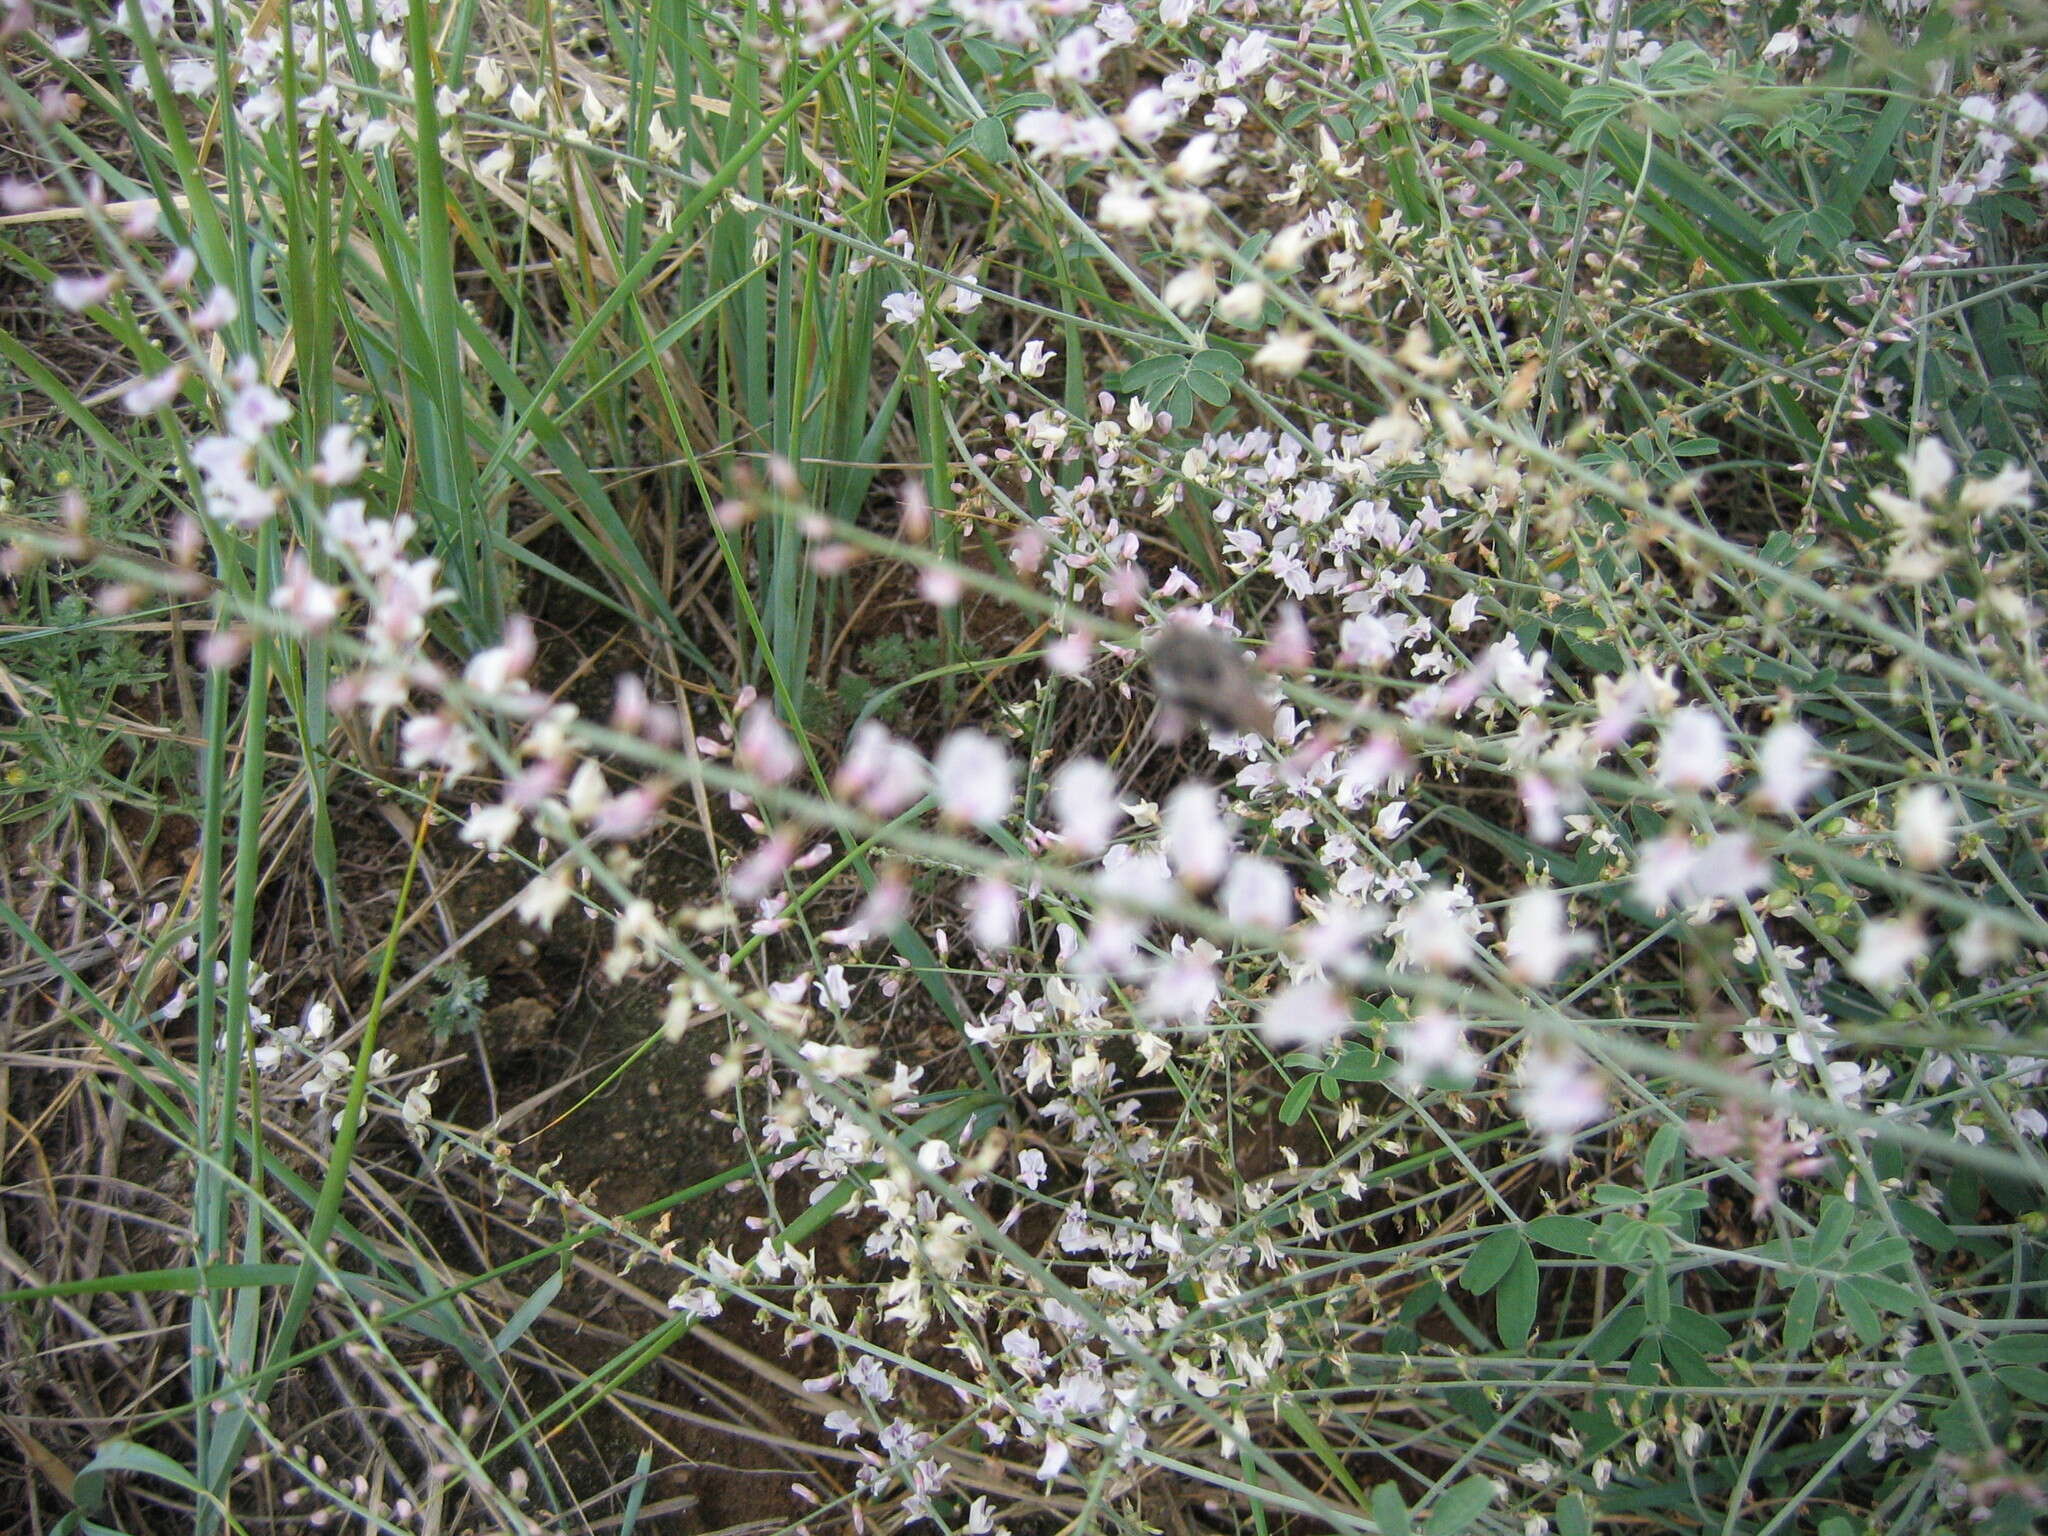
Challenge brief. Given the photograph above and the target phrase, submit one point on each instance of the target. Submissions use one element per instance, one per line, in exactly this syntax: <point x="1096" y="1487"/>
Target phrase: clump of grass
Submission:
<point x="700" y="491"/>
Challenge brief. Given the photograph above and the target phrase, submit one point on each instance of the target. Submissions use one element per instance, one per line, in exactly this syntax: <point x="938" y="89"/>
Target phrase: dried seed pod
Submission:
<point x="1203" y="672"/>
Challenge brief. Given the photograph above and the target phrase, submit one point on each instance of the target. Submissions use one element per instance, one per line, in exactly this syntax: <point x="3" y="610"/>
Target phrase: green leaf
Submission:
<point x="1296" y="1102"/>
<point x="1688" y="1366"/>
<point x="1361" y="1064"/>
<point x="1296" y="1419"/>
<point x="1491" y="1260"/>
<point x="1699" y="1330"/>
<point x="1458" y="1506"/>
<point x="1859" y="1313"/>
<point x="1390" y="1512"/>
<point x="528" y="1314"/>
<point x="89" y="1488"/>
<point x="1514" y="1314"/>
<point x="1874" y="1257"/>
<point x="1564" y="1234"/>
<point x="2019" y="1349"/>
<point x="2029" y="1381"/>
<point x="1836" y="1216"/>
<point x="1800" y="1313"/>
<point x="990" y="140"/>
<point x="1616" y="1335"/>
<point x="1661" y="1155"/>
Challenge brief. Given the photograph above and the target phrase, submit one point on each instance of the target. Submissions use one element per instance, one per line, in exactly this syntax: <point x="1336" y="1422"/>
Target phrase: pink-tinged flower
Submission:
<point x="253" y="410"/>
<point x="343" y="456"/>
<point x="941" y="586"/>
<point x="1196" y="835"/>
<point x="1728" y="868"/>
<point x="765" y="749"/>
<point x="1662" y="868"/>
<point x="223" y="648"/>
<point x="376" y="544"/>
<point x="308" y="602"/>
<point x="490" y="827"/>
<point x="18" y="196"/>
<point x="1775" y="1157"/>
<point x="502" y="667"/>
<point x="1111" y="948"/>
<point x="1432" y="1045"/>
<point x="880" y="775"/>
<point x="1243" y="58"/>
<point x="885" y="905"/>
<point x="146" y="396"/>
<point x="1257" y="893"/>
<point x="1031" y="1167"/>
<point x="1787" y="771"/>
<point x="1185" y="989"/>
<point x="407" y="594"/>
<point x="1540" y="941"/>
<point x="179" y="270"/>
<point x="975" y="779"/>
<point x="1544" y="803"/>
<point x="754" y="876"/>
<point x="1084" y="804"/>
<point x="84" y="290"/>
<point x="1925" y="825"/>
<point x="1560" y="1095"/>
<point x="1069" y="655"/>
<point x="1435" y="930"/>
<point x="220" y="309"/>
<point x="992" y="912"/>
<point x="629" y="814"/>
<point x="1289" y="647"/>
<point x="1693" y="751"/>
<point x="1887" y="952"/>
<point x="1308" y="1013"/>
<point x="438" y="741"/>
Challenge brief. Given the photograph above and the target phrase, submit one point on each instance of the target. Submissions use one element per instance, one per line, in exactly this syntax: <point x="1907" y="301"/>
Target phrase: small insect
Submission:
<point x="1202" y="672"/>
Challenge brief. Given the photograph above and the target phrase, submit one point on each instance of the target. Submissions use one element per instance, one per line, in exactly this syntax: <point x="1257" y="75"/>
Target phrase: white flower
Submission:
<point x="1125" y="205"/>
<point x="1243" y="304"/>
<point x="1692" y="753"/>
<point x="1434" y="930"/>
<point x="1928" y="470"/>
<point x="944" y="361"/>
<point x="1285" y="353"/>
<point x="974" y="778"/>
<point x="1084" y="804"/>
<point x="1540" y="940"/>
<point x="1195" y="834"/>
<point x="489" y="827"/>
<point x="1433" y="1045"/>
<point x="1257" y="893"/>
<point x="1560" y="1096"/>
<point x="1309" y="1013"/>
<point x="1782" y="45"/>
<point x="1887" y="952"/>
<point x="1186" y="292"/>
<point x="903" y="308"/>
<point x="1786" y="771"/>
<point x="2026" y="115"/>
<point x="1925" y="824"/>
